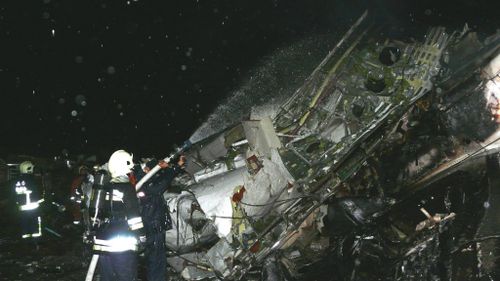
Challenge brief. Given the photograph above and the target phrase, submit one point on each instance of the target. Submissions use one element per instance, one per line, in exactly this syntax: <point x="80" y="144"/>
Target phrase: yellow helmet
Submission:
<point x="26" y="167"/>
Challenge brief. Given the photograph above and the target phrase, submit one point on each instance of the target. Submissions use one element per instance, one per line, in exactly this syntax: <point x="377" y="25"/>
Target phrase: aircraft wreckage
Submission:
<point x="382" y="166"/>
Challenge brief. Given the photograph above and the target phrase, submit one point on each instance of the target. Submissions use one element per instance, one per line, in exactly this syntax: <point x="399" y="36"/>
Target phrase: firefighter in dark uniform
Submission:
<point x="28" y="199"/>
<point x="118" y="222"/>
<point x="81" y="189"/>
<point x="155" y="215"/>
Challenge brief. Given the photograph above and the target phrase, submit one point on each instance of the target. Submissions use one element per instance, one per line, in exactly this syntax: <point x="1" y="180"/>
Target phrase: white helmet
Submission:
<point x="120" y="163"/>
<point x="26" y="167"/>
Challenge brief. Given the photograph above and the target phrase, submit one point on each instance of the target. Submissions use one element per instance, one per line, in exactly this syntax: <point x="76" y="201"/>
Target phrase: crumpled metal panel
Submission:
<point x="192" y="266"/>
<point x="190" y="228"/>
<point x="261" y="136"/>
<point x="221" y="257"/>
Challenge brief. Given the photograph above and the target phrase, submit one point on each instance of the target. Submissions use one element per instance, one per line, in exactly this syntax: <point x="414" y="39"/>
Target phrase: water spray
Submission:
<point x="186" y="146"/>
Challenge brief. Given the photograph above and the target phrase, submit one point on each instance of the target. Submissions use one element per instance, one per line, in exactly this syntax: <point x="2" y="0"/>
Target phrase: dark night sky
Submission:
<point x="93" y="76"/>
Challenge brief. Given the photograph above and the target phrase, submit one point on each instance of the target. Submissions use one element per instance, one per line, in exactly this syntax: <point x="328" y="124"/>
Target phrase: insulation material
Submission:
<point x="214" y="197"/>
<point x="242" y="230"/>
<point x="268" y="188"/>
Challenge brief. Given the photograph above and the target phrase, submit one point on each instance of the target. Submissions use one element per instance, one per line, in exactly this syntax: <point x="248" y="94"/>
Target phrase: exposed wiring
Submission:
<point x="190" y="262"/>
<point x="476" y="240"/>
<point x="235" y="218"/>
<point x="280" y="202"/>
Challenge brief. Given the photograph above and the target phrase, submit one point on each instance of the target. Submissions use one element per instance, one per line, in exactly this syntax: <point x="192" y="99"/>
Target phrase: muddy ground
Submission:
<point x="48" y="258"/>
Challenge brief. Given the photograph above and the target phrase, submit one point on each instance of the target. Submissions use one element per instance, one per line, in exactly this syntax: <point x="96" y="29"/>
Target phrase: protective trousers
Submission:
<point x="156" y="255"/>
<point x="30" y="224"/>
<point x="118" y="266"/>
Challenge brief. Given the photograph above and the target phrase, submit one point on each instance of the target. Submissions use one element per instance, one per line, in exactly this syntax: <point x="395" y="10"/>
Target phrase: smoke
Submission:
<point x="268" y="85"/>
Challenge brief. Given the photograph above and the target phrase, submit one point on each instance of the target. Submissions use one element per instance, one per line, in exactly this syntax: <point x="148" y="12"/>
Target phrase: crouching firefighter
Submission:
<point x="155" y="214"/>
<point x="117" y="222"/>
<point x="28" y="199"/>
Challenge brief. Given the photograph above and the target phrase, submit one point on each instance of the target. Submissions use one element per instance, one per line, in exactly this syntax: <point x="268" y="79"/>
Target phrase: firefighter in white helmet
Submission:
<point x="117" y="221"/>
<point x="28" y="199"/>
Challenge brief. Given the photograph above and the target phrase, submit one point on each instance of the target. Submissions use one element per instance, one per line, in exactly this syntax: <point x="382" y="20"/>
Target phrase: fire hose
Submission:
<point x="187" y="145"/>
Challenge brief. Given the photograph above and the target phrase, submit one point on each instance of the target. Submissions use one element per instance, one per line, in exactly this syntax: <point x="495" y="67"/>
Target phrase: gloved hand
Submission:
<point x="181" y="161"/>
<point x="88" y="237"/>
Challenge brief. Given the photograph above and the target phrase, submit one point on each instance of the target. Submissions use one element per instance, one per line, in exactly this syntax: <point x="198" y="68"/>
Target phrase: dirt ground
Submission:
<point x="48" y="258"/>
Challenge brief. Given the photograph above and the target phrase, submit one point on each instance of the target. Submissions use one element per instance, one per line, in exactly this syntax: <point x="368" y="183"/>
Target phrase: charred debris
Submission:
<point x="383" y="166"/>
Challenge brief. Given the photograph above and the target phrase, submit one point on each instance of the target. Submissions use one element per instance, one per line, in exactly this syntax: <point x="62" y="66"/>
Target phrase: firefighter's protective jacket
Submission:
<point x="120" y="223"/>
<point x="28" y="196"/>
